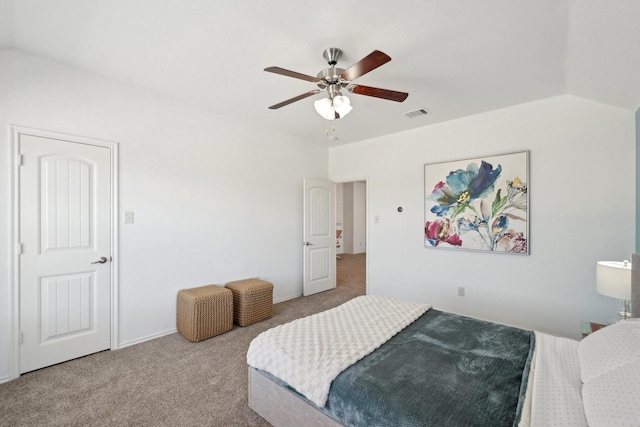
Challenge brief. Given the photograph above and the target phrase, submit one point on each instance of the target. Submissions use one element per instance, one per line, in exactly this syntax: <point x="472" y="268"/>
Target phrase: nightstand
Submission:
<point x="589" y="327"/>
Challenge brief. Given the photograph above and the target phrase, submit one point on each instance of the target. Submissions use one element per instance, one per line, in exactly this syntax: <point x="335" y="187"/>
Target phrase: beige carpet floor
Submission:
<point x="163" y="382"/>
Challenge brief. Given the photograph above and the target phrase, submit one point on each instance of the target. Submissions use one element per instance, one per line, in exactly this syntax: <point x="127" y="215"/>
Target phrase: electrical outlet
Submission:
<point x="460" y="291"/>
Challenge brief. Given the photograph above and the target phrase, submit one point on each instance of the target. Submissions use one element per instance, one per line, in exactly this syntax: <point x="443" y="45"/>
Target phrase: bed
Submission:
<point x="377" y="361"/>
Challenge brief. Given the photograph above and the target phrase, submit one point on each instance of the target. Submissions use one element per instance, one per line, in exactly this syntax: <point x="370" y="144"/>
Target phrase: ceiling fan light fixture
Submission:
<point x="331" y="109"/>
<point x="325" y="108"/>
<point x="342" y="105"/>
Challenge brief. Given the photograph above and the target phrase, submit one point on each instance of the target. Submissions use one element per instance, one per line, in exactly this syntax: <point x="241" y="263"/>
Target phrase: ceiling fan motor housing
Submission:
<point x="330" y="76"/>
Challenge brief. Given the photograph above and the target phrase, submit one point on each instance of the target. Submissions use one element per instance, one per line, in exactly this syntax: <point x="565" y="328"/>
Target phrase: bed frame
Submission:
<point x="282" y="407"/>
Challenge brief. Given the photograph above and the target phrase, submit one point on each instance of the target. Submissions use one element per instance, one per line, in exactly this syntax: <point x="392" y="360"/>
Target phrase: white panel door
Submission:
<point x="319" y="237"/>
<point x="65" y="233"/>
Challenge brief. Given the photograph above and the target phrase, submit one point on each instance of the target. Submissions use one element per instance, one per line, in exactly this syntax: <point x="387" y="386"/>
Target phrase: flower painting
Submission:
<point x="478" y="204"/>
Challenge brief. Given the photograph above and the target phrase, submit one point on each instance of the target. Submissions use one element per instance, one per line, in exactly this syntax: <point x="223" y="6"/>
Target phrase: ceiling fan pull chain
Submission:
<point x="333" y="129"/>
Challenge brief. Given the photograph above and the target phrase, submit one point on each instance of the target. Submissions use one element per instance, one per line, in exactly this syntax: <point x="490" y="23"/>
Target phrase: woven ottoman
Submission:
<point x="204" y="312"/>
<point x="252" y="301"/>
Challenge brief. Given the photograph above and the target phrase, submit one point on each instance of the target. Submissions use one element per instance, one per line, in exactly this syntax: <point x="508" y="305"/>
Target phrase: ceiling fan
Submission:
<point x="333" y="79"/>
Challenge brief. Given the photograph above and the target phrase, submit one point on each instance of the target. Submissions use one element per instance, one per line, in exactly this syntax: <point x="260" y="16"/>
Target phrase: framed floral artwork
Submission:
<point x="478" y="204"/>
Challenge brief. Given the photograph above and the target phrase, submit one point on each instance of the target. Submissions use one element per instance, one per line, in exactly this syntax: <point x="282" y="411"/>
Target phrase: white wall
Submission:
<point x="340" y="216"/>
<point x="582" y="187"/>
<point x="214" y="199"/>
<point x="359" y="217"/>
<point x="351" y="214"/>
<point x="6" y="23"/>
<point x="347" y="218"/>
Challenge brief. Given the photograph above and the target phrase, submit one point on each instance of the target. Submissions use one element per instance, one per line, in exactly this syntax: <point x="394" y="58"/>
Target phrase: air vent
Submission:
<point x="416" y="113"/>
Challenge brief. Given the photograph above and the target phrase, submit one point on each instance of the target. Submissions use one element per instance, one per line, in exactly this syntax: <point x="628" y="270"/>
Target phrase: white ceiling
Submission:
<point x="454" y="57"/>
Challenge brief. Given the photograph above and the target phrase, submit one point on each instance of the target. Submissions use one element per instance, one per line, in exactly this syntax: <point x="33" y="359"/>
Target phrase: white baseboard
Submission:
<point x="286" y="298"/>
<point x="5" y="379"/>
<point x="147" y="338"/>
<point x="172" y="331"/>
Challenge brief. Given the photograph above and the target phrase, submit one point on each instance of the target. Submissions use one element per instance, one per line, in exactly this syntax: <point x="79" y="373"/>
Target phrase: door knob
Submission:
<point x="308" y="244"/>
<point x="102" y="260"/>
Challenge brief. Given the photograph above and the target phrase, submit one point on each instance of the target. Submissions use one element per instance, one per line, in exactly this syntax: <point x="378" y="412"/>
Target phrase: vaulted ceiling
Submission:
<point x="455" y="58"/>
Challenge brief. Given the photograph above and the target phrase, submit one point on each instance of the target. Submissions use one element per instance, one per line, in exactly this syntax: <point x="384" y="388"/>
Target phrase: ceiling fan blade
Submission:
<point x="294" y="99"/>
<point x="391" y="95"/>
<point x="293" y="74"/>
<point x="366" y="64"/>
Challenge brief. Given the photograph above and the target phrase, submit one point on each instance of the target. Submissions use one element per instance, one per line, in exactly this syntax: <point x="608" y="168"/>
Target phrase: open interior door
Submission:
<point x="319" y="243"/>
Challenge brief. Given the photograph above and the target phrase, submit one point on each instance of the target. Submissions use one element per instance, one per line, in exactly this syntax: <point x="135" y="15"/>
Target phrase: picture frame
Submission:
<point x="478" y="204"/>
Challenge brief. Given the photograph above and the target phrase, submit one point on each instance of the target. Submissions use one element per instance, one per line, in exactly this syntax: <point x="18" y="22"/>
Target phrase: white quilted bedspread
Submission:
<point x="309" y="353"/>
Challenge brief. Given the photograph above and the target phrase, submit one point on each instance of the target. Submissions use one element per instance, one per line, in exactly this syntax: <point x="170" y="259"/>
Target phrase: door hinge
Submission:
<point x="20" y="248"/>
<point x="20" y="159"/>
<point x="21" y="337"/>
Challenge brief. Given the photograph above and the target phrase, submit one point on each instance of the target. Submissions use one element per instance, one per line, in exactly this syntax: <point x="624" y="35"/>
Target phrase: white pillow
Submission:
<point x="612" y="399"/>
<point x="610" y="372"/>
<point x="609" y="348"/>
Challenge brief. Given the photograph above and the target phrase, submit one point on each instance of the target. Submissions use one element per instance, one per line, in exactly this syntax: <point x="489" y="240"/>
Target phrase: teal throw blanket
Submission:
<point x="443" y="370"/>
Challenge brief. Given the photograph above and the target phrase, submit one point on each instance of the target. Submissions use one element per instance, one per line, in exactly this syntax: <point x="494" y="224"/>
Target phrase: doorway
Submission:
<point x="351" y="236"/>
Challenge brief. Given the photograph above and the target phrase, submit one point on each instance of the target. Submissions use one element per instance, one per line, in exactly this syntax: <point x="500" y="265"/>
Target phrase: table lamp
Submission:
<point x="613" y="279"/>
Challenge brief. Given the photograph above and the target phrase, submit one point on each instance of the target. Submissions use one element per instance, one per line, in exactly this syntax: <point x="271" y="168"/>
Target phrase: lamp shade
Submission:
<point x="613" y="279"/>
